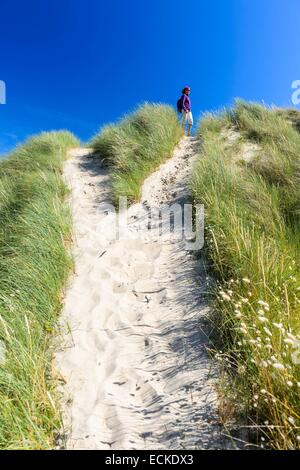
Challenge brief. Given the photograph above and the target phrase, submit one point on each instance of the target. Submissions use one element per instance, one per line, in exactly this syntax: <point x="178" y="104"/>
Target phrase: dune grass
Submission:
<point x="136" y="146"/>
<point x="252" y="243"/>
<point x="34" y="264"/>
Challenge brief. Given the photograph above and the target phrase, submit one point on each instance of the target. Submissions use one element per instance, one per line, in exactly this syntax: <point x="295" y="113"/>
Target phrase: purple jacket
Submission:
<point x="186" y="103"/>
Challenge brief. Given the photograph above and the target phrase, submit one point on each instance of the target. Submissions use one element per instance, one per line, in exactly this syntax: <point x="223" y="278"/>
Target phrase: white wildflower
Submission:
<point x="225" y="297"/>
<point x="262" y="303"/>
<point x="267" y="331"/>
<point x="289" y="341"/>
<point x="296" y="357"/>
<point x="263" y="319"/>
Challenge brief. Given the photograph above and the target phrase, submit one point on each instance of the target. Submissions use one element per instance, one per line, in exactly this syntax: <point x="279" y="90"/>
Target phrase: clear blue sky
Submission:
<point x="79" y="64"/>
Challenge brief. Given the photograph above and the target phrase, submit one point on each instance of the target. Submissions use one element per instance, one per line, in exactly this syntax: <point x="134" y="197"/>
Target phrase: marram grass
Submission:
<point x="253" y="242"/>
<point x="34" y="264"/>
<point x="136" y="146"/>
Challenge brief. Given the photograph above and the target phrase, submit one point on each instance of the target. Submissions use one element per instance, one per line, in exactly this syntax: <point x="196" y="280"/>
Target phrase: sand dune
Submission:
<point x="132" y="350"/>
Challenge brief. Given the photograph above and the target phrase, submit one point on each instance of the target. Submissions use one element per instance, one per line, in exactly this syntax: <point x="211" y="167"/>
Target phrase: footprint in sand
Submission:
<point x="129" y="370"/>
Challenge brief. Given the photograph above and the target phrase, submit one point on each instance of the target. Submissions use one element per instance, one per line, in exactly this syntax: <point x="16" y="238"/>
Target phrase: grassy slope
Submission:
<point x="34" y="263"/>
<point x="253" y="222"/>
<point x="136" y="146"/>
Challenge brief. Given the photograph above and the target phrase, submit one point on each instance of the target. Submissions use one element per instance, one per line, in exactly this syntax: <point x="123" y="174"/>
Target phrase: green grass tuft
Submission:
<point x="253" y="242"/>
<point x="136" y="146"/>
<point x="34" y="264"/>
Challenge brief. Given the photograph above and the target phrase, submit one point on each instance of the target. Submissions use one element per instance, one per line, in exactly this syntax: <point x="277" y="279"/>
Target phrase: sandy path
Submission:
<point x="136" y="371"/>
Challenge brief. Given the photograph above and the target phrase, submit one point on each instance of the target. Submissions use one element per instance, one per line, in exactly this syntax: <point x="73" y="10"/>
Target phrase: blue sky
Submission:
<point x="79" y="64"/>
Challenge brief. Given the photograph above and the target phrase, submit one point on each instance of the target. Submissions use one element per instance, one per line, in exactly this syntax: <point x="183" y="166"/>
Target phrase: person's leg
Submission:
<point x="190" y="123"/>
<point x="183" y="121"/>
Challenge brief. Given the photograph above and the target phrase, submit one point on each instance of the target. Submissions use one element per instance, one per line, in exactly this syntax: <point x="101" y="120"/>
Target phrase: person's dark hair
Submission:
<point x="184" y="89"/>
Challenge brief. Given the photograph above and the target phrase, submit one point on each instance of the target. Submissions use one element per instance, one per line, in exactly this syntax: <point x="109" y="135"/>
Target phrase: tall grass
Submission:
<point x="136" y="146"/>
<point x="279" y="162"/>
<point x="252" y="242"/>
<point x="34" y="264"/>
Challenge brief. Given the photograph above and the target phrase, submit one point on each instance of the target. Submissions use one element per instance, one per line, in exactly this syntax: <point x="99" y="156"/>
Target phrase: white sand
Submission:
<point x="136" y="371"/>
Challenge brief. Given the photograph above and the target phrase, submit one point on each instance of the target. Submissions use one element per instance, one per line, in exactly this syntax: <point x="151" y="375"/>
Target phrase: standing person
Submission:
<point x="186" y="108"/>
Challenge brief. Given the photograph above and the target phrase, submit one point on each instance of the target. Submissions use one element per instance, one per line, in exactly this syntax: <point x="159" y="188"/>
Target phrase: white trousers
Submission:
<point x="187" y="118"/>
